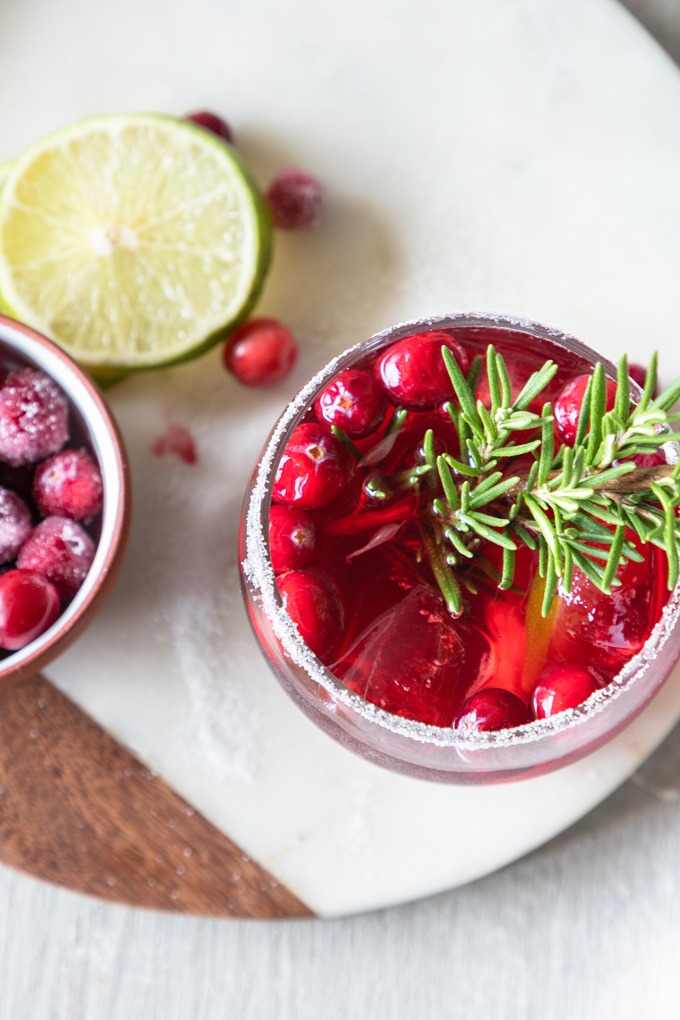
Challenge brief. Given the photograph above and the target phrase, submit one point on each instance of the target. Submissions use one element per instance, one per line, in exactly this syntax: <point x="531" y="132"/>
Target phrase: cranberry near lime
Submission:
<point x="458" y="545"/>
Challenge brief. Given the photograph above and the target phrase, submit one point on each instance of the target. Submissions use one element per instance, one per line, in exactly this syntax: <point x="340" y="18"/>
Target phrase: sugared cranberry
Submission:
<point x="294" y="199"/>
<point x="261" y="352"/>
<point x="29" y="604"/>
<point x="211" y="122"/>
<point x="354" y="401"/>
<point x="33" y="417"/>
<point x="292" y="538"/>
<point x="492" y="709"/>
<point x="313" y="604"/>
<point x="568" y="406"/>
<point x="314" y="469"/>
<point x="413" y="371"/>
<point x="15" y="524"/>
<point x="61" y="550"/>
<point x="561" y="686"/>
<point x="68" y="484"/>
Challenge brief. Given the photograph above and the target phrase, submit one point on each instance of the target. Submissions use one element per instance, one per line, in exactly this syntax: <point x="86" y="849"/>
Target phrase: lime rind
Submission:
<point x="134" y="240"/>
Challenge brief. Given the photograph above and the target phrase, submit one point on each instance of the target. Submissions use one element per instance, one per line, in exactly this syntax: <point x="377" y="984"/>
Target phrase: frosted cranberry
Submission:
<point x="568" y="406"/>
<point x="314" y="469"/>
<point x="492" y="709"/>
<point x="15" y="524"/>
<point x="68" y="484"/>
<point x="561" y="686"/>
<point x="354" y="401"/>
<point x="62" y="551"/>
<point x="33" y="417"/>
<point x="261" y="352"/>
<point x="211" y="122"/>
<point x="29" y="604"/>
<point x="312" y="601"/>
<point x="413" y="371"/>
<point x="291" y="538"/>
<point x="294" y="199"/>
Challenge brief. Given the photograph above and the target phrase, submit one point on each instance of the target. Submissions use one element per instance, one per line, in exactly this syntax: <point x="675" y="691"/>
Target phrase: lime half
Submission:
<point x="132" y="240"/>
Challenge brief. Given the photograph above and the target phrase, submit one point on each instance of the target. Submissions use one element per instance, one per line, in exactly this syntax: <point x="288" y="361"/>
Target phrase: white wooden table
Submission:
<point x="586" y="927"/>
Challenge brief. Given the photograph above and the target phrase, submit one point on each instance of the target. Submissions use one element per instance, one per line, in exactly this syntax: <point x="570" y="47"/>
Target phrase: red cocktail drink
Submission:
<point x="395" y="559"/>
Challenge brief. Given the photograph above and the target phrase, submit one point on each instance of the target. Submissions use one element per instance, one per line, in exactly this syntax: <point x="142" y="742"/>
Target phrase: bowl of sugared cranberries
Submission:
<point x="459" y="549"/>
<point x="64" y="501"/>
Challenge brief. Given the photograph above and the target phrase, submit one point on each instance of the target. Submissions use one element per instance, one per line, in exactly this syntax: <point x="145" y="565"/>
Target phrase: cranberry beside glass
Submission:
<point x="64" y="501"/>
<point x="355" y="629"/>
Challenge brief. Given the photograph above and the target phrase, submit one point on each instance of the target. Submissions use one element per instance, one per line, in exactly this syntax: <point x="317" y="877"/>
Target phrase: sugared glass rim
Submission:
<point x="258" y="571"/>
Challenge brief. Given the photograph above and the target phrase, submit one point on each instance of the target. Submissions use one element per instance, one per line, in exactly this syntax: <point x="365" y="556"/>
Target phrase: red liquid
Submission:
<point x="401" y="647"/>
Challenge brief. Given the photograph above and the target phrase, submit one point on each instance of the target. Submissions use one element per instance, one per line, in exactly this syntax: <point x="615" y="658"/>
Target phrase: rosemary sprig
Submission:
<point x="576" y="506"/>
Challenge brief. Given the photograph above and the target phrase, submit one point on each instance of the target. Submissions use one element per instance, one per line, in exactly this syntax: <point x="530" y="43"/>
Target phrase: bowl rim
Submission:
<point x="104" y="436"/>
<point x="260" y="577"/>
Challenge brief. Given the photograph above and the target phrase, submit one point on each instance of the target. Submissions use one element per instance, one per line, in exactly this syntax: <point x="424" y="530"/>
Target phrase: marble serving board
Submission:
<point x="502" y="156"/>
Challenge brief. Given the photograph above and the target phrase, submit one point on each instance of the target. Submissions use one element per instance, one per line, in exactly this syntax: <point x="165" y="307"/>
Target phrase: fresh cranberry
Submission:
<point x="645" y="460"/>
<point x="179" y="441"/>
<point x="261" y="352"/>
<point x="62" y="551"/>
<point x="33" y="417"/>
<point x="69" y="484"/>
<point x="492" y="709"/>
<point x="561" y="686"/>
<point x="211" y="122"/>
<point x="413" y="372"/>
<point x="29" y="604"/>
<point x="291" y="538"/>
<point x="354" y="401"/>
<point x="294" y="199"/>
<point x="15" y="524"/>
<point x="311" y="600"/>
<point x="568" y="406"/>
<point x="314" y="469"/>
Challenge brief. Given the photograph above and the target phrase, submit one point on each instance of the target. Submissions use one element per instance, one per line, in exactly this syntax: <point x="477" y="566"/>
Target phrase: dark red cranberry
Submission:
<point x="15" y="524"/>
<point x="561" y="686"/>
<point x="354" y="401"/>
<point x="292" y="538"/>
<point x="29" y="604"/>
<point x="211" y="122"/>
<point x="492" y="709"/>
<point x="294" y="199"/>
<point x="33" y="417"/>
<point x="413" y="372"/>
<point x="314" y="469"/>
<point x="313" y="604"/>
<point x="61" y="550"/>
<point x="261" y="352"/>
<point x="568" y="406"/>
<point x="69" y="484"/>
